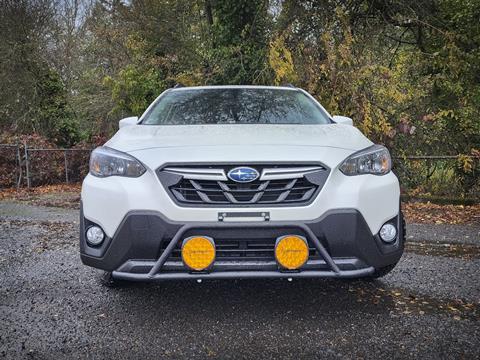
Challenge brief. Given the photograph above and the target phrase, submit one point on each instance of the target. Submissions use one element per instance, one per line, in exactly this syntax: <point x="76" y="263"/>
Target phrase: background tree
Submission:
<point x="407" y="72"/>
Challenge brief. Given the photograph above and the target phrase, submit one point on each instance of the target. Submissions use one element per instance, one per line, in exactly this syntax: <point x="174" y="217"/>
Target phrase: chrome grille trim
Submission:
<point x="198" y="174"/>
<point x="220" y="175"/>
<point x="288" y="173"/>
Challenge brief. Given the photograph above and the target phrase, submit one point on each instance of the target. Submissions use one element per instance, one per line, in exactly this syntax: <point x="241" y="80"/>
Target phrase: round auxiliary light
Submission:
<point x="291" y="251"/>
<point x="198" y="252"/>
<point x="95" y="235"/>
<point x="388" y="233"/>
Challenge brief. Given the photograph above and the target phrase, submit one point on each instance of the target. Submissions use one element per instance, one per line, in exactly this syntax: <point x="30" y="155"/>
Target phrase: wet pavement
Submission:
<point x="51" y="306"/>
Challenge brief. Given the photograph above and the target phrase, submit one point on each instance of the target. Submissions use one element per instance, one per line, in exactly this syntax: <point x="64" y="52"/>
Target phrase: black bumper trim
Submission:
<point x="337" y="235"/>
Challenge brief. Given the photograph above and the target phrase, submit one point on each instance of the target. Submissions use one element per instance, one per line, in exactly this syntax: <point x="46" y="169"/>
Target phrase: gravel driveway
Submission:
<point x="51" y="306"/>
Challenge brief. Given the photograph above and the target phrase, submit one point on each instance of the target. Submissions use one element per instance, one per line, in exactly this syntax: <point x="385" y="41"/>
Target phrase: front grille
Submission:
<point x="210" y="186"/>
<point x="259" y="192"/>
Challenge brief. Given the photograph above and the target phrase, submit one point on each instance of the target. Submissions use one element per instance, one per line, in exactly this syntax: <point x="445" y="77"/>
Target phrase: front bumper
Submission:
<point x="146" y="244"/>
<point x="106" y="201"/>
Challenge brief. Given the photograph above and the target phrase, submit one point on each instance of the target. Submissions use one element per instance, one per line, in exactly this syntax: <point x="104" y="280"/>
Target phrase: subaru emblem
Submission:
<point x="243" y="174"/>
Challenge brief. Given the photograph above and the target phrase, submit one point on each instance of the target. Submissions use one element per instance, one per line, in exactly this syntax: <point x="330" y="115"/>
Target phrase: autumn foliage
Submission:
<point x="407" y="72"/>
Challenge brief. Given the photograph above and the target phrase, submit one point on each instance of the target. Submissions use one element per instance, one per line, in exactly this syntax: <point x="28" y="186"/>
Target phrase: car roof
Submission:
<point x="183" y="88"/>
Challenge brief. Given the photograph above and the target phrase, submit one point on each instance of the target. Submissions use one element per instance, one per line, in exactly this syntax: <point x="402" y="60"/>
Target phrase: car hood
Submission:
<point x="143" y="137"/>
<point x="243" y="144"/>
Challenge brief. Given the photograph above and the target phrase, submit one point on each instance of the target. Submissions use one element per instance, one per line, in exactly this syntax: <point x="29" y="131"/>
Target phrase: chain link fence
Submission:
<point x="24" y="166"/>
<point x="442" y="176"/>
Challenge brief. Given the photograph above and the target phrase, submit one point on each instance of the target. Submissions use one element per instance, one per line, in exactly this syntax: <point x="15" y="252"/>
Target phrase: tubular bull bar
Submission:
<point x="156" y="274"/>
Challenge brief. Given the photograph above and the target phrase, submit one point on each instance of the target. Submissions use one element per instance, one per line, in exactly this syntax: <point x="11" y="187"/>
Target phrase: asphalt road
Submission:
<point x="53" y="307"/>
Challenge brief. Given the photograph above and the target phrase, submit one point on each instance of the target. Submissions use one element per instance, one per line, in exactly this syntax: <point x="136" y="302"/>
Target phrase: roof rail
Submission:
<point x="289" y="85"/>
<point x="178" y="85"/>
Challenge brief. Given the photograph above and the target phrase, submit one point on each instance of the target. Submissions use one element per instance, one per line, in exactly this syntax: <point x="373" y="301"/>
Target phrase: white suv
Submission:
<point x="240" y="182"/>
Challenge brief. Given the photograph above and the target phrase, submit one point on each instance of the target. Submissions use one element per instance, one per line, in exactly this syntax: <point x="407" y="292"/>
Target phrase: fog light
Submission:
<point x="291" y="251"/>
<point x="388" y="233"/>
<point x="198" y="252"/>
<point x="95" y="235"/>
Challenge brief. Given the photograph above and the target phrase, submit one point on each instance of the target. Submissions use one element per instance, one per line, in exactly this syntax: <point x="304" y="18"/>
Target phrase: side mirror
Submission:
<point x="129" y="121"/>
<point x="343" y="120"/>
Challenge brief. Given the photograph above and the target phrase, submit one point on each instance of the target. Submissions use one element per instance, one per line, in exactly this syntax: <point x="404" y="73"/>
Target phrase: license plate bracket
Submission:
<point x="244" y="216"/>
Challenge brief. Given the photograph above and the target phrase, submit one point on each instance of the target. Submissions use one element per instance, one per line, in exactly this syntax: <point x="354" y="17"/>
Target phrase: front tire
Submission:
<point x="381" y="272"/>
<point x="109" y="281"/>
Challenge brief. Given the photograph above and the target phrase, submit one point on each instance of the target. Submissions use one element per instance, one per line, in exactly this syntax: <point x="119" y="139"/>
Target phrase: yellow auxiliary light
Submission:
<point x="198" y="252"/>
<point x="291" y="251"/>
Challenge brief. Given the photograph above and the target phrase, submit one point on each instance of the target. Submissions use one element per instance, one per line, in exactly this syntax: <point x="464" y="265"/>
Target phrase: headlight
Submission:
<point x="373" y="160"/>
<point x="109" y="162"/>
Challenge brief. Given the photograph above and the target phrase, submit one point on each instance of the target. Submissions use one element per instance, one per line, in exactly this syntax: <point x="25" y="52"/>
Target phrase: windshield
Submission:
<point x="235" y="106"/>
